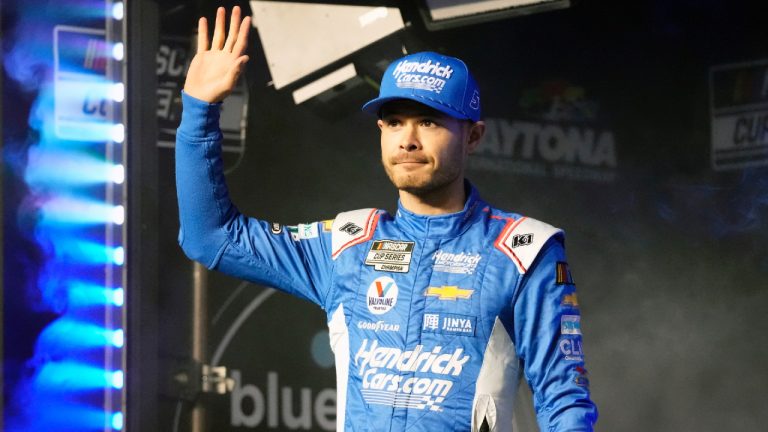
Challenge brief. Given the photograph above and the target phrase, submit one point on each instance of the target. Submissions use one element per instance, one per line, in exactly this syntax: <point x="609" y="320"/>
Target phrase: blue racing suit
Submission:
<point x="432" y="319"/>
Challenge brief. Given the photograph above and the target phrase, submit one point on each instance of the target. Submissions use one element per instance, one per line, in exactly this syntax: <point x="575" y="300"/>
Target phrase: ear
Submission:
<point x="380" y="123"/>
<point x="476" y="132"/>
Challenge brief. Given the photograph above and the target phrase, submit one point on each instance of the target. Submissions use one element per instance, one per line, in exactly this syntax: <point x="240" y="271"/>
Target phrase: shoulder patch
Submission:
<point x="522" y="239"/>
<point x="351" y="228"/>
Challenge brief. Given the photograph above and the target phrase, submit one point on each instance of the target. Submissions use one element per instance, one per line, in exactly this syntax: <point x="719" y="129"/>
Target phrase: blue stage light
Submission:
<point x="118" y="255"/>
<point x="117" y="133"/>
<point x="118" y="51"/>
<point x="118" y="297"/>
<point x="67" y="336"/>
<point x="117" y="379"/>
<point x="57" y="168"/>
<point x="117" y="92"/>
<point x="117" y="174"/>
<point x="77" y="211"/>
<point x="70" y="249"/>
<point x="53" y="414"/>
<point x="118" y="11"/>
<point x="60" y="377"/>
<point x="82" y="294"/>
<point x="117" y="421"/>
<point x="118" y="338"/>
<point x="118" y="215"/>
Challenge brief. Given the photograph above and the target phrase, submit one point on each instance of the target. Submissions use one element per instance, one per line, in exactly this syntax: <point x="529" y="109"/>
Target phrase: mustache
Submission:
<point x="407" y="158"/>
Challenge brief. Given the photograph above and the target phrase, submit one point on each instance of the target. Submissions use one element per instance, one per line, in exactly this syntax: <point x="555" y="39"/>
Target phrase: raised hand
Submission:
<point x="213" y="72"/>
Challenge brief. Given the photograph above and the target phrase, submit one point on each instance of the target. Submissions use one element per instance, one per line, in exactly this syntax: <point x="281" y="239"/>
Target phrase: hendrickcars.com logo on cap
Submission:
<point x="426" y="75"/>
<point x="438" y="81"/>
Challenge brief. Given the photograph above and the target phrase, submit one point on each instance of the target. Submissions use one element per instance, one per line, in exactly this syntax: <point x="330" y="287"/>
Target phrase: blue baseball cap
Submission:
<point x="438" y="81"/>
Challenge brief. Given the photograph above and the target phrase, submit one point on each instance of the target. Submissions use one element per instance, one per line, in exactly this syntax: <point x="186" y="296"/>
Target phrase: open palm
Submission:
<point x="213" y="71"/>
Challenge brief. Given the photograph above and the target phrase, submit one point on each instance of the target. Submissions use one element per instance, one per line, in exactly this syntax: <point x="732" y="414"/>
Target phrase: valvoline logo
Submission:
<point x="382" y="295"/>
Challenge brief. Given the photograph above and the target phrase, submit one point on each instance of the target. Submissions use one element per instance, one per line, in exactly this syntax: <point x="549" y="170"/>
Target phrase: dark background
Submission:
<point x="670" y="256"/>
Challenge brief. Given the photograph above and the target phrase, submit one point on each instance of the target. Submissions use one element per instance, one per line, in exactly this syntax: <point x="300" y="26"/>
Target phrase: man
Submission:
<point x="434" y="313"/>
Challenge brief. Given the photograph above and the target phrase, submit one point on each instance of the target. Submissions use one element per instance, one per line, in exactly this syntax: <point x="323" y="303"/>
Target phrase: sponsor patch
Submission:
<point x="327" y="225"/>
<point x="390" y="255"/>
<point x="581" y="379"/>
<point x="307" y="231"/>
<point x="382" y="295"/>
<point x="350" y="228"/>
<point x="521" y="240"/>
<point x="452" y="324"/>
<point x="387" y="374"/>
<point x="276" y="228"/>
<point x="378" y="326"/>
<point x="449" y="292"/>
<point x="570" y="325"/>
<point x="563" y="274"/>
<point x="294" y="231"/>
<point x="571" y="349"/>
<point x="459" y="263"/>
<point x="570" y="300"/>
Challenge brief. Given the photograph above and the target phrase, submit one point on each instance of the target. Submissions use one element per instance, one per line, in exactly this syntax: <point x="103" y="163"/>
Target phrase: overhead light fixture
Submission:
<point x="443" y="14"/>
<point x="302" y="38"/>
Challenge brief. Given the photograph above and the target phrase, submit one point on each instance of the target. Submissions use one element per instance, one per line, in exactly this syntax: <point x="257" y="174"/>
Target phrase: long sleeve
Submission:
<point x="294" y="259"/>
<point x="549" y="342"/>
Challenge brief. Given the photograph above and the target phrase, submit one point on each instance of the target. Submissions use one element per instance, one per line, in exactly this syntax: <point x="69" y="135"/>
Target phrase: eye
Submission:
<point x="392" y="122"/>
<point x="428" y="123"/>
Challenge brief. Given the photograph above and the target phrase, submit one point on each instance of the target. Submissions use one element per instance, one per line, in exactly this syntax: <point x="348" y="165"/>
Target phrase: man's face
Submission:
<point x="422" y="149"/>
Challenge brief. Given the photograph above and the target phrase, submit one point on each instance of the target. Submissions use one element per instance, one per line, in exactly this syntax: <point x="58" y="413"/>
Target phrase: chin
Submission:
<point x="417" y="187"/>
<point x="419" y="184"/>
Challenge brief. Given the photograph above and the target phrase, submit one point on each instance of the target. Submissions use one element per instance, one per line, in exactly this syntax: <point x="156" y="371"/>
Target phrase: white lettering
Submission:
<point x="410" y="361"/>
<point x="464" y="263"/>
<point x="378" y="326"/>
<point x="427" y="67"/>
<point x="571" y="349"/>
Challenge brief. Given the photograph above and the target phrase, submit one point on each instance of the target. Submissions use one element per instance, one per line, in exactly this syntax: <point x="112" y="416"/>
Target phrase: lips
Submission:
<point x="408" y="160"/>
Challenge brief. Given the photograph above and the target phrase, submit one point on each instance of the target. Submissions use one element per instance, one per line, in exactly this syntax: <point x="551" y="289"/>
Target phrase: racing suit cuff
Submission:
<point x="199" y="119"/>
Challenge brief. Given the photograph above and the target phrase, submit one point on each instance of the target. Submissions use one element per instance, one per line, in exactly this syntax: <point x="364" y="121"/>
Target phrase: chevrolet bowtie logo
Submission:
<point x="449" y="292"/>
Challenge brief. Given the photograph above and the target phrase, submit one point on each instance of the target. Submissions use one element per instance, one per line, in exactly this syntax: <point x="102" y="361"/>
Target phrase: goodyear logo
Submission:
<point x="449" y="292"/>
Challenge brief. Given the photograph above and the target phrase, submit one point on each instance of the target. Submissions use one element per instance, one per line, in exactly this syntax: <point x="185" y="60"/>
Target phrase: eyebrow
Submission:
<point x="416" y="112"/>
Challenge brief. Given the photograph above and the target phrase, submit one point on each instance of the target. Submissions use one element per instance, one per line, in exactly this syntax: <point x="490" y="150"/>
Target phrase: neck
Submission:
<point x="448" y="199"/>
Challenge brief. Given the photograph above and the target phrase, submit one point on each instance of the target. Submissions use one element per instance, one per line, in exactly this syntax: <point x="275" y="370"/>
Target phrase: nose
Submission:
<point x="410" y="138"/>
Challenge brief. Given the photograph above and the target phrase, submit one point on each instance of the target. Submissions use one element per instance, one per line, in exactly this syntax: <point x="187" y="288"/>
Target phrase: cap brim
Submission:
<point x="374" y="106"/>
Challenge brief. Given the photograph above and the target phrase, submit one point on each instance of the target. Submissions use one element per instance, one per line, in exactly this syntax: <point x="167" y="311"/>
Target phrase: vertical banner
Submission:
<point x="82" y="110"/>
<point x="739" y="115"/>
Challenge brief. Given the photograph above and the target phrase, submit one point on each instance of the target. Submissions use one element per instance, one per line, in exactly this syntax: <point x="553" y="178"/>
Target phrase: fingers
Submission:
<point x="234" y="26"/>
<point x="218" y="31"/>
<point x="237" y="38"/>
<point x="202" y="35"/>
<point x="242" y="37"/>
<point x="235" y="72"/>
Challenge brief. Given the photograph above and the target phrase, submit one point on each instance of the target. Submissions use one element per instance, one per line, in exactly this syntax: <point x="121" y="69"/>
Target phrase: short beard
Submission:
<point x="422" y="186"/>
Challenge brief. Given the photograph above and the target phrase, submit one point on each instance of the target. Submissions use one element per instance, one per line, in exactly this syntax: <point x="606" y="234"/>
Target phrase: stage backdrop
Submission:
<point x="639" y="129"/>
